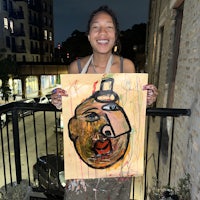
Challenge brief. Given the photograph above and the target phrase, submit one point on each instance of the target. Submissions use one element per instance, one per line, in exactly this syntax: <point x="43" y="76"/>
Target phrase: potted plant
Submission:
<point x="181" y="192"/>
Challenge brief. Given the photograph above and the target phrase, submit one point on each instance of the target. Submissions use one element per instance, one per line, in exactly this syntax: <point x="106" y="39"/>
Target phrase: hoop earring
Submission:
<point x="115" y="48"/>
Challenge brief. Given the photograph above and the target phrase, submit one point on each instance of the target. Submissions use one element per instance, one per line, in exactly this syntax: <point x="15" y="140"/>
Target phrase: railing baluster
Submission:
<point x="9" y="157"/>
<point x="26" y="147"/>
<point x="159" y="147"/>
<point x="3" y="158"/>
<point x="16" y="145"/>
<point x="146" y="155"/>
<point x="171" y="151"/>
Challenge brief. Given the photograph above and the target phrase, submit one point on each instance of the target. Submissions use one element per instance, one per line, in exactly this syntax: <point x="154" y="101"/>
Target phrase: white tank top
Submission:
<point x="108" y="66"/>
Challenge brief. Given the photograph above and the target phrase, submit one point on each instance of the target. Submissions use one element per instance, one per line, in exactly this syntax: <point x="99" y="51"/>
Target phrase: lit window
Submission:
<point x="45" y="34"/>
<point x="11" y="26"/>
<point x="50" y="36"/>
<point x="5" y="20"/>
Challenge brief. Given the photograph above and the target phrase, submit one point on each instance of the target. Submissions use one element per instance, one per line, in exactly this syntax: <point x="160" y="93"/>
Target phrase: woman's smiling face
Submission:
<point x="102" y="33"/>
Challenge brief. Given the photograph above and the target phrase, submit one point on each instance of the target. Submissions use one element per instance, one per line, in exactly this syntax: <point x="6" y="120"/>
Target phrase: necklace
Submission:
<point x="90" y="62"/>
<point x="93" y="66"/>
<point x="107" y="68"/>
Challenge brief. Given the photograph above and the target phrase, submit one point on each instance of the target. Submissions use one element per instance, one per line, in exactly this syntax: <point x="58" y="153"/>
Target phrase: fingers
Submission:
<point x="152" y="93"/>
<point x="56" y="97"/>
<point x="152" y="88"/>
<point x="59" y="91"/>
<point x="56" y="100"/>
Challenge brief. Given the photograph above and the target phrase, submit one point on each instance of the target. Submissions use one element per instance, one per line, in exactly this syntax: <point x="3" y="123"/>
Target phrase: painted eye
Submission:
<point x="92" y="117"/>
<point x="111" y="107"/>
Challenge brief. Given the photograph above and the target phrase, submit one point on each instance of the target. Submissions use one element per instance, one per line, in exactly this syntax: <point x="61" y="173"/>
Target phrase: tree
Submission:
<point x="7" y="70"/>
<point x="136" y="36"/>
<point x="75" y="46"/>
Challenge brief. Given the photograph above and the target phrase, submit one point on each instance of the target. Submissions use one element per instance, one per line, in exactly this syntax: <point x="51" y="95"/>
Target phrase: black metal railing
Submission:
<point x="162" y="114"/>
<point x="32" y="130"/>
<point x="20" y="122"/>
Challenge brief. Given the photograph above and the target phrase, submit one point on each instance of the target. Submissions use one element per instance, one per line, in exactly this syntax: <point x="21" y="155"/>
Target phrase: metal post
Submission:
<point x="16" y="145"/>
<point x="159" y="147"/>
<point x="171" y="152"/>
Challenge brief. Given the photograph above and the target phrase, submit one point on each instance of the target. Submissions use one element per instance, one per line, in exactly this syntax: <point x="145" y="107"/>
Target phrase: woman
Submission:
<point x="103" y="35"/>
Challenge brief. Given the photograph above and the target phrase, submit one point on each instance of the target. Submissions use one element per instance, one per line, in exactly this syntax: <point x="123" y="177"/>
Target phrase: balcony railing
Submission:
<point x="16" y="14"/>
<point x="34" y="22"/>
<point x="24" y="139"/>
<point x="19" y="49"/>
<point x="35" y="50"/>
<point x="18" y="32"/>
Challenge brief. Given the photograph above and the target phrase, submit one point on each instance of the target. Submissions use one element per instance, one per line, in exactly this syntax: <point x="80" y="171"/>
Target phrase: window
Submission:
<point x="5" y="21"/>
<point x="30" y="15"/>
<point x="31" y="45"/>
<point x="24" y="58"/>
<point x="5" y="7"/>
<point x="50" y="9"/>
<point x="44" y="6"/>
<point x="8" y="42"/>
<point x="23" y="43"/>
<point x="45" y="34"/>
<point x="35" y="18"/>
<point x="36" y="31"/>
<point x="50" y="22"/>
<point x="50" y="36"/>
<point x="51" y="49"/>
<point x="11" y="26"/>
<point x="10" y="5"/>
<point x="31" y="30"/>
<point x="45" y="20"/>
<point x="47" y="48"/>
<point x="22" y="27"/>
<point x="20" y="9"/>
<point x="14" y="58"/>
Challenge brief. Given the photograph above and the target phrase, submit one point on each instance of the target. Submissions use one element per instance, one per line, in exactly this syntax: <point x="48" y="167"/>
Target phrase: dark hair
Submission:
<point x="107" y="10"/>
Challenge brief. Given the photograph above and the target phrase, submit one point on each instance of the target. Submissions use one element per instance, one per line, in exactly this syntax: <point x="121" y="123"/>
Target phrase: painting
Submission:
<point x="104" y="125"/>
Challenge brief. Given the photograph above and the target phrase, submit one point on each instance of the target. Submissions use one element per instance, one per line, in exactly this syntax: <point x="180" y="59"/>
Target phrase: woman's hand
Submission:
<point x="152" y="93"/>
<point x="56" y="97"/>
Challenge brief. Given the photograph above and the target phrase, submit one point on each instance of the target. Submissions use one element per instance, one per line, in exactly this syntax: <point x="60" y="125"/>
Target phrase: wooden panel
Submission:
<point x="104" y="122"/>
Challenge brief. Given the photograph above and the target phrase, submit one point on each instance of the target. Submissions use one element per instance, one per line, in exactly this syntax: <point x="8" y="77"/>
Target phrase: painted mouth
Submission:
<point x="103" y="147"/>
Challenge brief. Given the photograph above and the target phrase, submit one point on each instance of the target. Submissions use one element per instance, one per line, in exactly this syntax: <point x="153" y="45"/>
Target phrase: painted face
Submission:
<point x="102" y="34"/>
<point x="100" y="131"/>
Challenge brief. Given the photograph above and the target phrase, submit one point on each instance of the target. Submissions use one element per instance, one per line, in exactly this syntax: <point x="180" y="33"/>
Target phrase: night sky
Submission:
<point x="70" y="15"/>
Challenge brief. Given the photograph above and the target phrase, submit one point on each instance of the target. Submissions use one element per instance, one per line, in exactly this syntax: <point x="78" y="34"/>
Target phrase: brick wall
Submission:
<point x="186" y="157"/>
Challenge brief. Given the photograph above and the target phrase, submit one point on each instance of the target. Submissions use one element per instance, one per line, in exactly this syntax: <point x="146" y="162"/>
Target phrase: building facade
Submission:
<point x="26" y="30"/>
<point x="173" y="64"/>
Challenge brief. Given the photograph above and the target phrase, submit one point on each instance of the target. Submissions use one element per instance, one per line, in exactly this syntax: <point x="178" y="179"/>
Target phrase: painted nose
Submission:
<point x="117" y="125"/>
<point x="107" y="131"/>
